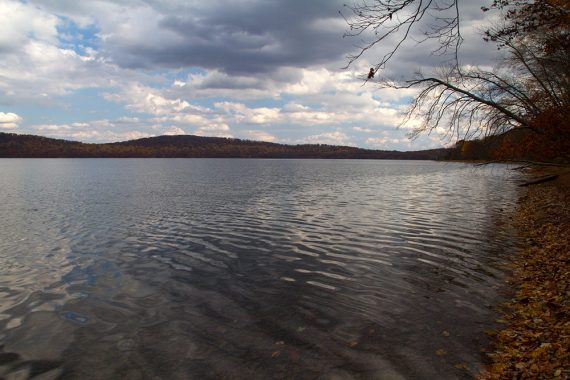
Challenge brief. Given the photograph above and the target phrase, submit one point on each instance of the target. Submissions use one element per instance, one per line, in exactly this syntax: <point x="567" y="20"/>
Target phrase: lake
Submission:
<point x="250" y="269"/>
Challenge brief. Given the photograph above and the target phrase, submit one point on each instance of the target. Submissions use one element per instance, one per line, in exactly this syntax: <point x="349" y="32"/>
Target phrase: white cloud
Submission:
<point x="364" y="130"/>
<point x="238" y="55"/>
<point x="330" y="138"/>
<point x="240" y="113"/>
<point x="100" y="136"/>
<point x="19" y="22"/>
<point x="104" y="136"/>
<point x="9" y="120"/>
<point x="383" y="141"/>
<point x="41" y="70"/>
<point x="312" y="82"/>
<point x="173" y="131"/>
<point x="174" y="112"/>
<point x="289" y="97"/>
<point x="257" y="136"/>
<point x="333" y="108"/>
<point x="52" y="127"/>
<point x="95" y="131"/>
<point x="215" y="130"/>
<point x="140" y="98"/>
<point x="36" y="65"/>
<point x="38" y="71"/>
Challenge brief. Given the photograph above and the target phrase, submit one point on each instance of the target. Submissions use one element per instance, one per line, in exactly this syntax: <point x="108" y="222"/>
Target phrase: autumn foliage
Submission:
<point x="549" y="141"/>
<point x="189" y="146"/>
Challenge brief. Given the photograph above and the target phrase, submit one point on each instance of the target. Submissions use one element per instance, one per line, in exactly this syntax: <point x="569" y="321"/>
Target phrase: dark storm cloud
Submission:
<point x="251" y="37"/>
<point x="240" y="37"/>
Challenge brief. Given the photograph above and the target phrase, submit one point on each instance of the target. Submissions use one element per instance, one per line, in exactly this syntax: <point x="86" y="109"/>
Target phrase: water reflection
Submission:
<point x="248" y="268"/>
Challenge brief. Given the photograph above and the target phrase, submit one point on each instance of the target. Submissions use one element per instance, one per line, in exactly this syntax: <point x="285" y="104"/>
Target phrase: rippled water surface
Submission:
<point x="248" y="269"/>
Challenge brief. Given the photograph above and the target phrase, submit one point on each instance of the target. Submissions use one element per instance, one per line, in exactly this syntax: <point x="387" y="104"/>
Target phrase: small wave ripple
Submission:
<point x="250" y="269"/>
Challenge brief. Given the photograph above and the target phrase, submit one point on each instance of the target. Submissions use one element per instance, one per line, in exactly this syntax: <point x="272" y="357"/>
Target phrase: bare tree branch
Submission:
<point x="384" y="19"/>
<point x="530" y="83"/>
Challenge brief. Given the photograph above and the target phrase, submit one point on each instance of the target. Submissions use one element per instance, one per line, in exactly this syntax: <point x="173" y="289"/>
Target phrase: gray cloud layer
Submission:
<point x="236" y="37"/>
<point x="271" y="70"/>
<point x="241" y="37"/>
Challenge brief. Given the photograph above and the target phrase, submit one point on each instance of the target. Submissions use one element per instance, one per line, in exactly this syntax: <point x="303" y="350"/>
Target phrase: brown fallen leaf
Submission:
<point x="520" y="365"/>
<point x="462" y="366"/>
<point x="441" y="352"/>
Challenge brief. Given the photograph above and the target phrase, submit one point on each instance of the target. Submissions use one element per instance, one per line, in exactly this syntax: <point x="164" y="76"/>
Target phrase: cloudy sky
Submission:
<point x="272" y="70"/>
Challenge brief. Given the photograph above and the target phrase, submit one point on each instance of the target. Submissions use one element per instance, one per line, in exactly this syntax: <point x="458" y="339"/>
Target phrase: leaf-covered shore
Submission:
<point x="535" y="340"/>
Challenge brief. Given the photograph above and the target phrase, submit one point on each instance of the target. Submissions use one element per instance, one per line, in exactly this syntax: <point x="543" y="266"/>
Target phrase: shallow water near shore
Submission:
<point x="249" y="269"/>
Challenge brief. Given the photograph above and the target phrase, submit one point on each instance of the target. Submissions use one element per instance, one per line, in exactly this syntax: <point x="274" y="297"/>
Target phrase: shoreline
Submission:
<point x="534" y="339"/>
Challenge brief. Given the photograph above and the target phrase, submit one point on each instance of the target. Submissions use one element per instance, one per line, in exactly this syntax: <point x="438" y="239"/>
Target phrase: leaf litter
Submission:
<point x="534" y="342"/>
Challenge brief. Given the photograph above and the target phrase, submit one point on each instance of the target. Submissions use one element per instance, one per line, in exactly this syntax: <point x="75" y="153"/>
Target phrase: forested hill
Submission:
<point x="15" y="145"/>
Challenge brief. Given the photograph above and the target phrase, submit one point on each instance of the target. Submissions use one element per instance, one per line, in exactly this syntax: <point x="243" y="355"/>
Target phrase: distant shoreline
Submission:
<point x="190" y="146"/>
<point x="229" y="158"/>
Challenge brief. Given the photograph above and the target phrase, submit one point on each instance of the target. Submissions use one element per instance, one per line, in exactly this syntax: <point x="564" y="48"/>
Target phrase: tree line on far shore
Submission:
<point x="30" y="146"/>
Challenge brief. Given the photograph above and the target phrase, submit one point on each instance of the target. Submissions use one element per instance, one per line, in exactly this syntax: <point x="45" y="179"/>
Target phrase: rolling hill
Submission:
<point x="31" y="146"/>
